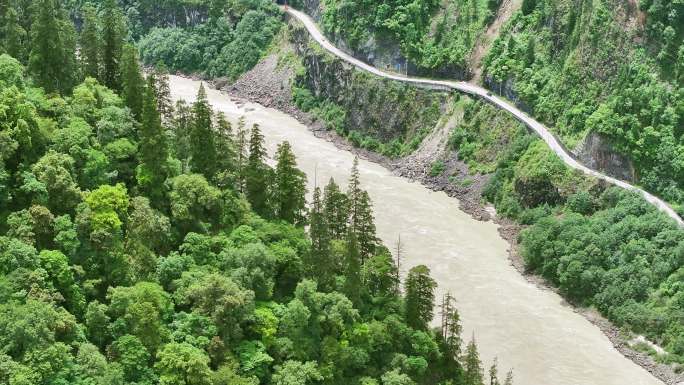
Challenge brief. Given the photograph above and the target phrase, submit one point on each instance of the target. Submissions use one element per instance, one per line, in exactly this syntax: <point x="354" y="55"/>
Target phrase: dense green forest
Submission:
<point x="147" y="242"/>
<point x="602" y="246"/>
<point x="434" y="35"/>
<point x="604" y="67"/>
<point x="229" y="42"/>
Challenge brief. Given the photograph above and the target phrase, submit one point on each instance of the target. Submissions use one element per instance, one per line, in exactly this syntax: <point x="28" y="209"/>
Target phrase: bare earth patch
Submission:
<point x="485" y="41"/>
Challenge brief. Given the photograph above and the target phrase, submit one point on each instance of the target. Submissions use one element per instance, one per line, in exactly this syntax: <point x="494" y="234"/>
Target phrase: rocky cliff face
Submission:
<point x="313" y="8"/>
<point x="382" y="108"/>
<point x="596" y="152"/>
<point x="381" y="52"/>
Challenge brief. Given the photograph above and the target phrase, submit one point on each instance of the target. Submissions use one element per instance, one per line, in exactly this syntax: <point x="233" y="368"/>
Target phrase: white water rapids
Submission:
<point x="529" y="329"/>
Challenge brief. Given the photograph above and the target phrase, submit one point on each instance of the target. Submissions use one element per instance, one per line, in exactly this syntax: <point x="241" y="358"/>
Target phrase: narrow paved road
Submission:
<point x="480" y="92"/>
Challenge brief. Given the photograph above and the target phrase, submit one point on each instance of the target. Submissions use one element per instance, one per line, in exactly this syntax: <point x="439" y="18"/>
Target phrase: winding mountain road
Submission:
<point x="482" y="93"/>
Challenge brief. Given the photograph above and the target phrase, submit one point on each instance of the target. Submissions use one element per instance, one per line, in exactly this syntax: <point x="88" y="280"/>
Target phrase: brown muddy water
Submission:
<point x="529" y="329"/>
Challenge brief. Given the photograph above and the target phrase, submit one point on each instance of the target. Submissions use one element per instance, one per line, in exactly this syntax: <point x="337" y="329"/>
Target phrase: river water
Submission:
<point x="529" y="329"/>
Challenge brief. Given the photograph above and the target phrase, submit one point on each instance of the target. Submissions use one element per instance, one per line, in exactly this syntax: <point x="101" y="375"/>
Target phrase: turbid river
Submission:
<point x="527" y="328"/>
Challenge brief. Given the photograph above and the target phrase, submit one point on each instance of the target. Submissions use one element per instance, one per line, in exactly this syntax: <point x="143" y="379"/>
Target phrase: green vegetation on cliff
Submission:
<point x="225" y="46"/>
<point x="598" y="68"/>
<point x="377" y="114"/>
<point x="602" y="246"/>
<point x="434" y="35"/>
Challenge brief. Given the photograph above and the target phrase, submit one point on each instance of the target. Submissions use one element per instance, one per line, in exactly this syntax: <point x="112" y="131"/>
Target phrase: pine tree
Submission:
<point x="113" y="36"/>
<point x="451" y="327"/>
<point x="509" y="378"/>
<point x="399" y="251"/>
<point x="14" y="36"/>
<point x="132" y="82"/>
<point x="153" y="150"/>
<point x="52" y="61"/>
<point x="352" y="271"/>
<point x="365" y="227"/>
<point x="257" y="174"/>
<point x="90" y="44"/>
<point x="241" y="153"/>
<point x="289" y="187"/>
<point x="321" y="264"/>
<point x="336" y="209"/>
<point x="361" y="221"/>
<point x="473" y="374"/>
<point x="494" y="373"/>
<point x="202" y="147"/>
<point x="354" y="194"/>
<point x="225" y="145"/>
<point x="164" y="103"/>
<point x="182" y="121"/>
<point x="420" y="297"/>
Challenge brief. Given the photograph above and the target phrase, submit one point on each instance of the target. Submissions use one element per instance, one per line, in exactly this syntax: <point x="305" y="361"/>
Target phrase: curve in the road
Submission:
<point x="482" y="93"/>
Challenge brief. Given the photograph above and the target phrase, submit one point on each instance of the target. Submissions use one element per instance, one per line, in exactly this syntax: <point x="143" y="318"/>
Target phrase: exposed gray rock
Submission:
<point x="383" y="108"/>
<point x="596" y="152"/>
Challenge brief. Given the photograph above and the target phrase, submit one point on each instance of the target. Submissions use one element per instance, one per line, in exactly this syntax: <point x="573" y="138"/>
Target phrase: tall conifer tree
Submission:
<point x="202" y="147"/>
<point x="289" y="187"/>
<point x="365" y="227"/>
<point x="321" y="258"/>
<point x="361" y="221"/>
<point x="241" y="152"/>
<point x="133" y="84"/>
<point x="90" y="46"/>
<point x="352" y="271"/>
<point x="14" y="36"/>
<point x="153" y="151"/>
<point x="182" y="123"/>
<point x="113" y="36"/>
<point x="164" y="103"/>
<point x="336" y="209"/>
<point x="52" y="61"/>
<point x="473" y="373"/>
<point x="257" y="174"/>
<point x="420" y="297"/>
<point x="225" y="144"/>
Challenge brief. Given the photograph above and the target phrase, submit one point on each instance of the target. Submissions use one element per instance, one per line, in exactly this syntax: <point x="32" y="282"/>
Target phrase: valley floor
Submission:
<point x="512" y="314"/>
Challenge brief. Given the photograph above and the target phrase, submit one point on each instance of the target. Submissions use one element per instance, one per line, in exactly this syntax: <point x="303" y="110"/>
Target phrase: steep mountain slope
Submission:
<point x="606" y="75"/>
<point x="601" y="67"/>
<point x="635" y="287"/>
